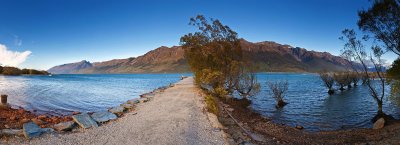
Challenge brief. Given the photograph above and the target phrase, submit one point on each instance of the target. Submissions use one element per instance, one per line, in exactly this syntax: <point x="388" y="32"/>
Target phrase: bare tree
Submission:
<point x="247" y="85"/>
<point x="278" y="89"/>
<point x="355" y="78"/>
<point x="328" y="80"/>
<point x="355" y="48"/>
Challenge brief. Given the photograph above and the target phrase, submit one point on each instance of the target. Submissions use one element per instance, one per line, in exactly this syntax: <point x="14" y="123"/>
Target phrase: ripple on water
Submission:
<point x="62" y="94"/>
<point x="311" y="106"/>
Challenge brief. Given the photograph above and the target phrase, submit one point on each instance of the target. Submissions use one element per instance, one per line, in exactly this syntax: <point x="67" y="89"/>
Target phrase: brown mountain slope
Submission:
<point x="266" y="56"/>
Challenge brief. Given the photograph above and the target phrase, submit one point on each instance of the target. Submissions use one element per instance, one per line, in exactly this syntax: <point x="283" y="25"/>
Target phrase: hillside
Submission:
<point x="267" y="56"/>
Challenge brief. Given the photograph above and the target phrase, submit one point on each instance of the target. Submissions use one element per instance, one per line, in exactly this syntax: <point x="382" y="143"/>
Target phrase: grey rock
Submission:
<point x="143" y="100"/>
<point x="11" y="132"/>
<point x="127" y="106"/>
<point x="84" y="121"/>
<point x="117" y="110"/>
<point x="133" y="101"/>
<point x="103" y="116"/>
<point x="64" y="126"/>
<point x="299" y="127"/>
<point x="257" y="137"/>
<point x="47" y="130"/>
<point x="380" y="123"/>
<point x="32" y="130"/>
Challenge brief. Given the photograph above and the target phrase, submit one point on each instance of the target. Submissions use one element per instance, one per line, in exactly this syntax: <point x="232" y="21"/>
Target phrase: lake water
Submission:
<point x="62" y="94"/>
<point x="309" y="103"/>
<point x="311" y="106"/>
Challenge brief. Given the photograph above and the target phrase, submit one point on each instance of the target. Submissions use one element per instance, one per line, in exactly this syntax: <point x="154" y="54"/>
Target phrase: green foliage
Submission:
<point x="383" y="21"/>
<point x="215" y="56"/>
<point x="211" y="104"/>
<point x="394" y="72"/>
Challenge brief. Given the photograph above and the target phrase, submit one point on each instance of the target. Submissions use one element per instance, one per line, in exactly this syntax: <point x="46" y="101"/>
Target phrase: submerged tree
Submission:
<point x="341" y="79"/>
<point x="354" y="78"/>
<point x="278" y="89"/>
<point x="355" y="48"/>
<point x="328" y="80"/>
<point x="215" y="56"/>
<point x="247" y="84"/>
<point x="383" y="21"/>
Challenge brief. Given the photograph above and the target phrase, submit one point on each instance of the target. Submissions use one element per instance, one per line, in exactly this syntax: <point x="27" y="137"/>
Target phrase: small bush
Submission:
<point x="279" y="89"/>
<point x="212" y="105"/>
<point x="328" y="80"/>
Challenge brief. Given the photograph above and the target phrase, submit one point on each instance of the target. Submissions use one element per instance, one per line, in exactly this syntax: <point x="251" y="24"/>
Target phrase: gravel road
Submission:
<point x="175" y="116"/>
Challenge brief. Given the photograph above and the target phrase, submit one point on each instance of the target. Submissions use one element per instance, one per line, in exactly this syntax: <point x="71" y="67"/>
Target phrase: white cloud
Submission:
<point x="12" y="58"/>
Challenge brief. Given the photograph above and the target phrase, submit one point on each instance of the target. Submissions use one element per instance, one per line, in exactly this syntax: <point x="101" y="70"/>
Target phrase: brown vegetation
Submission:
<point x="328" y="80"/>
<point x="16" y="71"/>
<point x="278" y="90"/>
<point x="215" y="56"/>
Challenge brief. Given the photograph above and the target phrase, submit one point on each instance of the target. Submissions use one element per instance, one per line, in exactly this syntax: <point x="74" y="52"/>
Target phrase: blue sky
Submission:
<point x="61" y="31"/>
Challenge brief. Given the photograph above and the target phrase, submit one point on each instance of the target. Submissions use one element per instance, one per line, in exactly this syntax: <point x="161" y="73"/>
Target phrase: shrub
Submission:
<point x="211" y="104"/>
<point x="328" y="80"/>
<point x="341" y="79"/>
<point x="278" y="89"/>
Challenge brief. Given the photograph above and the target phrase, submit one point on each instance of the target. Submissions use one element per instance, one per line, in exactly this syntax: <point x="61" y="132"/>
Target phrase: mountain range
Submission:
<point x="266" y="56"/>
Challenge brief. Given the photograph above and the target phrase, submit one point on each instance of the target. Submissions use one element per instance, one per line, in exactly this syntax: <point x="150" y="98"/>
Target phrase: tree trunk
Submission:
<point x="331" y="91"/>
<point x="380" y="111"/>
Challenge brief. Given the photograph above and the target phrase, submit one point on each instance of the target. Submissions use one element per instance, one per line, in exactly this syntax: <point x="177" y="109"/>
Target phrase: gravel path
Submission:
<point x="175" y="116"/>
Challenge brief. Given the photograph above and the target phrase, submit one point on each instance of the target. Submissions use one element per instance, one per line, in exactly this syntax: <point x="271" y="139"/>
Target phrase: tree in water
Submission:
<point x="355" y="48"/>
<point x="328" y="80"/>
<point x="278" y="89"/>
<point x="383" y="21"/>
<point x="215" y="56"/>
<point x="341" y="80"/>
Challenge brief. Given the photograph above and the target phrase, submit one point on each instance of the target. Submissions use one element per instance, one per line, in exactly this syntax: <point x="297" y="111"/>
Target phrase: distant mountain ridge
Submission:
<point x="266" y="56"/>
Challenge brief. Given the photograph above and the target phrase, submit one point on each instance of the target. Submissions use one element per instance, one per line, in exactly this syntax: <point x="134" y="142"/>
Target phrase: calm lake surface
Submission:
<point x="311" y="106"/>
<point x="62" y="94"/>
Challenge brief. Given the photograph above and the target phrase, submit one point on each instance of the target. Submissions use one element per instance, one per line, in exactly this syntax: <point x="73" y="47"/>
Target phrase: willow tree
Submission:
<point x="355" y="48"/>
<point x="383" y="21"/>
<point x="215" y="56"/>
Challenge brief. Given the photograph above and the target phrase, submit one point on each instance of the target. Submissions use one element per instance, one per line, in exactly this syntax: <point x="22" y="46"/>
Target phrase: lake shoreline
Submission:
<point x="14" y="117"/>
<point x="272" y="133"/>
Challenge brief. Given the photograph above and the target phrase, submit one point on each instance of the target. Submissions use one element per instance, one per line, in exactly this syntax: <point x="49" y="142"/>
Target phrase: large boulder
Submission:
<point x="119" y="110"/>
<point x="103" y="116"/>
<point x="32" y="130"/>
<point x="84" y="121"/>
<point x="380" y="123"/>
<point x="64" y="126"/>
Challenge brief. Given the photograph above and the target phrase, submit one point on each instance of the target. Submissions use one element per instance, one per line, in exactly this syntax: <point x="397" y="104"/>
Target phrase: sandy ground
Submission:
<point x="175" y="116"/>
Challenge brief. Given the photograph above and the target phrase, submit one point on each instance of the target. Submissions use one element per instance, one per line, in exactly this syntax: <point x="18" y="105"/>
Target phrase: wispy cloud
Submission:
<point x="17" y="41"/>
<point x="12" y="58"/>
